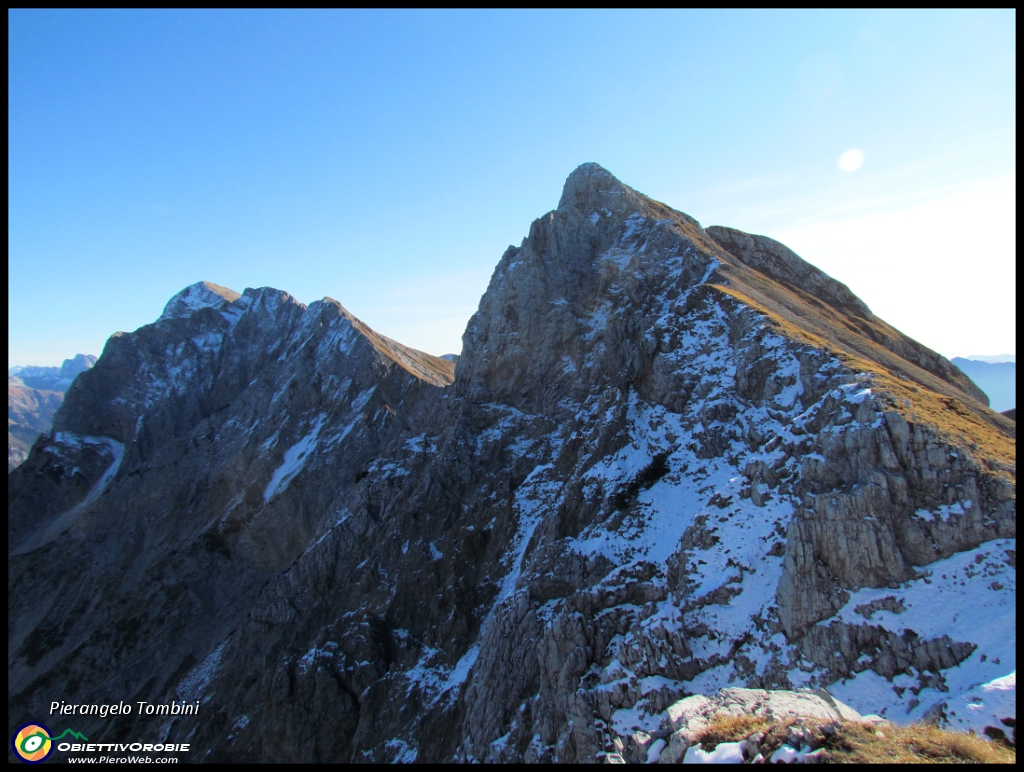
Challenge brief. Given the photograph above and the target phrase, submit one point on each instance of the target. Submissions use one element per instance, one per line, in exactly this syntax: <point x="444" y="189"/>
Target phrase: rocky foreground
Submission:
<point x="807" y="726"/>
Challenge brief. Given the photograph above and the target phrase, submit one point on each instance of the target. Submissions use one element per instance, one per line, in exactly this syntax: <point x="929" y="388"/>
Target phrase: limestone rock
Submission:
<point x="691" y="714"/>
<point x="657" y="468"/>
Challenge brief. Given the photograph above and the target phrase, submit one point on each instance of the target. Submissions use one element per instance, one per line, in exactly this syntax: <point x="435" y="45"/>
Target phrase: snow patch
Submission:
<point x="193" y="685"/>
<point x="294" y="460"/>
<point x="944" y="511"/>
<point x="723" y="753"/>
<point x="985" y="705"/>
<point x="439" y="680"/>
<point x="969" y="596"/>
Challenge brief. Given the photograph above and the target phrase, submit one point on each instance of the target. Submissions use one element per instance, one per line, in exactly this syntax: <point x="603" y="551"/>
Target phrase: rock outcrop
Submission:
<point x="685" y="719"/>
<point x="667" y="461"/>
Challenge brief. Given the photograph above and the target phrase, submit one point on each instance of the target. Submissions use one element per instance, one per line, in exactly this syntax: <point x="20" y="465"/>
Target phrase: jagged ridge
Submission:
<point x="647" y="480"/>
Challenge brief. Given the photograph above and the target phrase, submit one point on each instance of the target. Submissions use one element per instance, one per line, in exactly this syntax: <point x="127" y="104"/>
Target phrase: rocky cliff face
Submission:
<point x="671" y="460"/>
<point x="33" y="396"/>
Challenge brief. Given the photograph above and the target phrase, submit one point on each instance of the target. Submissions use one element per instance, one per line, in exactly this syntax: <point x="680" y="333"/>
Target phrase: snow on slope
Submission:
<point x="985" y="705"/>
<point x="723" y="623"/>
<point x="970" y="596"/>
<point x="202" y="294"/>
<point x="295" y="459"/>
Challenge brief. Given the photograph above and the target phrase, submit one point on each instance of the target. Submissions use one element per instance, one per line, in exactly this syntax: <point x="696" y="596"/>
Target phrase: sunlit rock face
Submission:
<point x="671" y="460"/>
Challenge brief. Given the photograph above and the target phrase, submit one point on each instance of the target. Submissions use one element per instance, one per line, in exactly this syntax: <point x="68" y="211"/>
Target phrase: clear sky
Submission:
<point x="387" y="158"/>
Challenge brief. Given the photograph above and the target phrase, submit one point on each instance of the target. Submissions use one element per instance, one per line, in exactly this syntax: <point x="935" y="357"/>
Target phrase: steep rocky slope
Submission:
<point x="33" y="396"/>
<point x="671" y="460"/>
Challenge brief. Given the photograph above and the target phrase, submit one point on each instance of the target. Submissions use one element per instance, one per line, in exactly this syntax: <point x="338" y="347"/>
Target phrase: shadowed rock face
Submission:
<point x="641" y="484"/>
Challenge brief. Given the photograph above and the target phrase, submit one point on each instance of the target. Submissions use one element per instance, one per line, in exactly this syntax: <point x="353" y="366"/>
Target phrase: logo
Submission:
<point x="33" y="743"/>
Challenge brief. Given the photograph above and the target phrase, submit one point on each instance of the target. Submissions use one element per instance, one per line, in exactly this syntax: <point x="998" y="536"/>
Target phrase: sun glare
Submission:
<point x="851" y="160"/>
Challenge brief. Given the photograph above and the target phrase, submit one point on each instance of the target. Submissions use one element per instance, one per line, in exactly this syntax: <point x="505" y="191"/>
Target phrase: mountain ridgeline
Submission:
<point x="668" y="460"/>
<point x="33" y="396"/>
<point x="997" y="379"/>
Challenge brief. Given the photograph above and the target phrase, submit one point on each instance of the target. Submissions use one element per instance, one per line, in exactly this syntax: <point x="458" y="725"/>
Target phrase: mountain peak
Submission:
<point x="592" y="188"/>
<point x="202" y="294"/>
<point x="589" y="171"/>
<point x="673" y="460"/>
<point x="80" y="363"/>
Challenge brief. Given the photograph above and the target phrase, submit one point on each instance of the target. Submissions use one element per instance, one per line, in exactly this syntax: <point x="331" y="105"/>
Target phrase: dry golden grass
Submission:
<point x="937" y="396"/>
<point x="918" y="396"/>
<point x="856" y="743"/>
<point x="955" y="422"/>
<point x="915" y="744"/>
<point x="730" y="729"/>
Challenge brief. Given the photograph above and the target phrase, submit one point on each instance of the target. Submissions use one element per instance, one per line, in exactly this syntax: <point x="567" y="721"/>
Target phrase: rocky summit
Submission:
<point x="669" y="460"/>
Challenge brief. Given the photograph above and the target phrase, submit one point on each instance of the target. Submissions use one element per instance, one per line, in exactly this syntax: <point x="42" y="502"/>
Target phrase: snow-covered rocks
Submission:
<point x="988" y="709"/>
<point x="648" y="481"/>
<point x="686" y="719"/>
<point x="203" y="294"/>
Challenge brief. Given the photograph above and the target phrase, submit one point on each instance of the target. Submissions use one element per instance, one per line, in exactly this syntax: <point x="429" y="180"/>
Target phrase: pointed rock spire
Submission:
<point x="593" y="189"/>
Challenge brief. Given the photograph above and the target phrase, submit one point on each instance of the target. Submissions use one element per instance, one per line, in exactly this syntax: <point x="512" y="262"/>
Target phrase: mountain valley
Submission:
<point x="33" y="396"/>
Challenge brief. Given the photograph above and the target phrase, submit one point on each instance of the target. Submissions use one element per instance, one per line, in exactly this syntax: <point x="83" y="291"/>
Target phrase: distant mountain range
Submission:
<point x="33" y="396"/>
<point x="997" y="379"/>
<point x="993" y="359"/>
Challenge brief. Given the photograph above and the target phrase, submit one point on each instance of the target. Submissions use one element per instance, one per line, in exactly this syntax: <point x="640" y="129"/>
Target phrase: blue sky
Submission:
<point x="387" y="158"/>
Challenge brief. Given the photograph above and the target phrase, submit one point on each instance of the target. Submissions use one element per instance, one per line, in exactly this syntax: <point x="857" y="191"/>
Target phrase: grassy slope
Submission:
<point x="941" y="396"/>
<point x="852" y="742"/>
